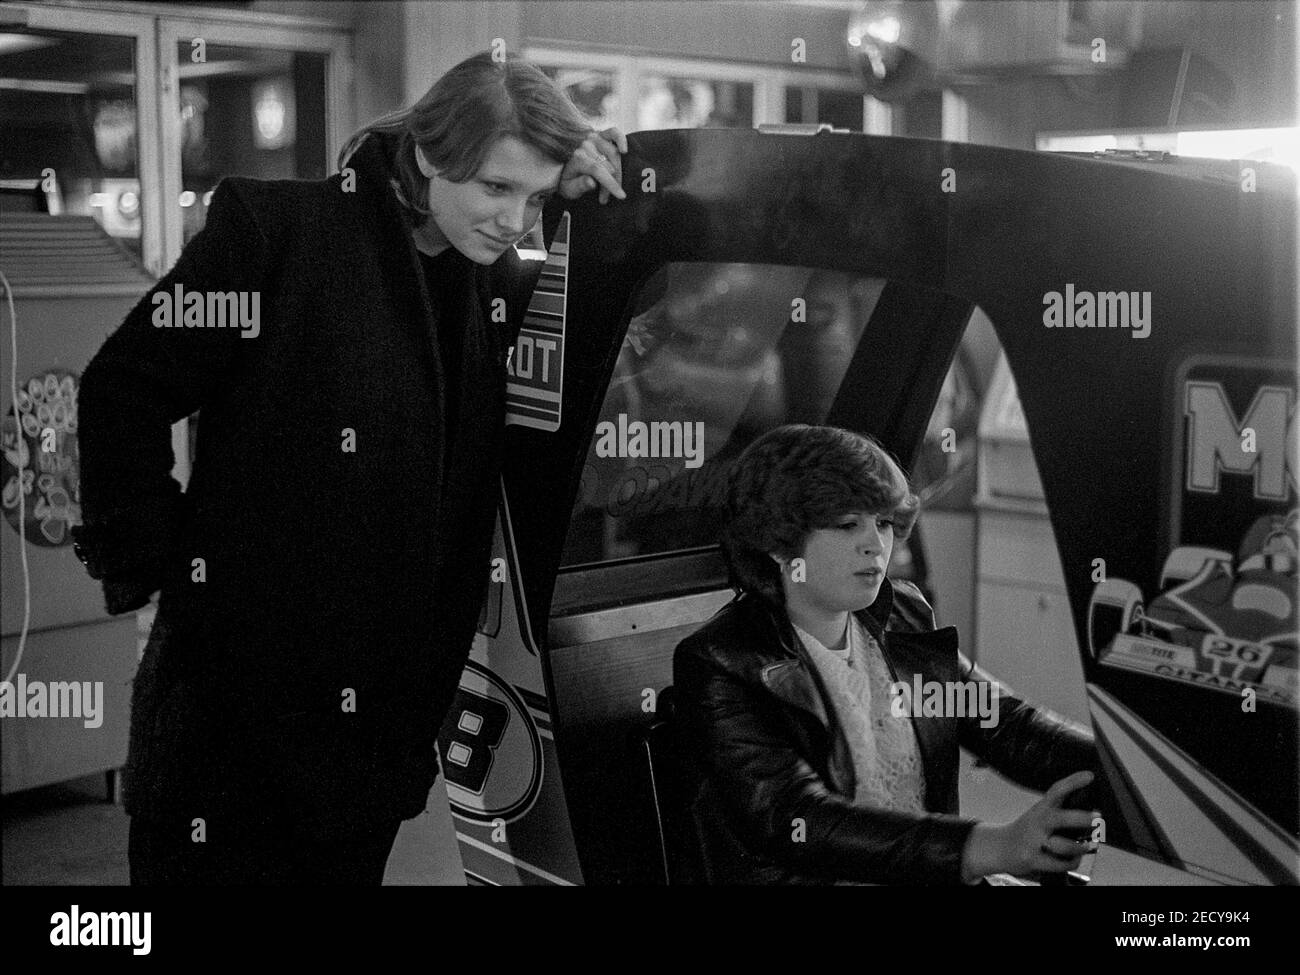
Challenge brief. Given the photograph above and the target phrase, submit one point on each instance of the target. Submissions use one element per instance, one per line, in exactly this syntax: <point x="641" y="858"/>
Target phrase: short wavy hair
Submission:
<point x="796" y="479"/>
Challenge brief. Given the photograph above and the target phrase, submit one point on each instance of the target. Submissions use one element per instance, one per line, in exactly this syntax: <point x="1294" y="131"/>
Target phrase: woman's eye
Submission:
<point x="883" y="523"/>
<point x="848" y="525"/>
<point x="495" y="187"/>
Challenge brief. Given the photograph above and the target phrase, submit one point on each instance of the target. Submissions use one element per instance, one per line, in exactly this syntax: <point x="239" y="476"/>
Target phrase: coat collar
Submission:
<point x="392" y="238"/>
<point x="875" y="618"/>
<point x="793" y="679"/>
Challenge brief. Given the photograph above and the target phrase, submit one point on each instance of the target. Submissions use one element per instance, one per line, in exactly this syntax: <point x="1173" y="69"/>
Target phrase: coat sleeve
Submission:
<point x="1033" y="747"/>
<point x="779" y="806"/>
<point x="141" y="381"/>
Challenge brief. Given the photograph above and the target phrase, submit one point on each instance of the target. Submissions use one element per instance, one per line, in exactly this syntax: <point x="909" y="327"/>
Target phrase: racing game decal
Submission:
<point x="1224" y="615"/>
<point x="490" y="738"/>
<point x="497" y="747"/>
<point x="535" y="369"/>
<point x="40" y="441"/>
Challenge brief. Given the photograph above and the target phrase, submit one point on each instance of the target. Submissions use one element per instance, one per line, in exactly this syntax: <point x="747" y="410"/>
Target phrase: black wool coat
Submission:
<point x="305" y="665"/>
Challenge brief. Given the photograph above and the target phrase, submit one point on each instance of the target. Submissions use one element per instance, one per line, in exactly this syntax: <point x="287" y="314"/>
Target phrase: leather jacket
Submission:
<point x="773" y="800"/>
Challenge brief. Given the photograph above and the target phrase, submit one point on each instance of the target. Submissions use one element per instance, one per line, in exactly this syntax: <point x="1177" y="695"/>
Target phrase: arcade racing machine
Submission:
<point x="68" y="276"/>
<point x="1147" y="310"/>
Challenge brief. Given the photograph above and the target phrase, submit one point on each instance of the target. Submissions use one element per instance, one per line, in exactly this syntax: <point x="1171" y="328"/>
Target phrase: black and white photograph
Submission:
<point x="842" y="443"/>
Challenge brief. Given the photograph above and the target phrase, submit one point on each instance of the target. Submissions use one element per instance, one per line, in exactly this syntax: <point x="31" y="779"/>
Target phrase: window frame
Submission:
<point x="155" y="28"/>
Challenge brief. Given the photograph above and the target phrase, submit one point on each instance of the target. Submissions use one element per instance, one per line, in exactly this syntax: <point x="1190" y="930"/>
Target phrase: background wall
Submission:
<point x="402" y="47"/>
<point x="755" y="32"/>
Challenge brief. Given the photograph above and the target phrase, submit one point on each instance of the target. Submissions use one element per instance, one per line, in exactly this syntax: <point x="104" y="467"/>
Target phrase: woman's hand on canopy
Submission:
<point x="597" y="162"/>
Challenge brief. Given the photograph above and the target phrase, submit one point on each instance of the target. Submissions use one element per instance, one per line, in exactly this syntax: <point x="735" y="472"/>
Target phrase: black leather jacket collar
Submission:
<point x="894" y="620"/>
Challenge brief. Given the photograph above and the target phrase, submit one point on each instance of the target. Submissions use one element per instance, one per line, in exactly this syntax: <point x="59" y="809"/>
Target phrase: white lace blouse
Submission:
<point x="886" y="756"/>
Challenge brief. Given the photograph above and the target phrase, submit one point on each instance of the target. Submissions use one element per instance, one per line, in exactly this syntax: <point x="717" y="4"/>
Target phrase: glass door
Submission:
<point x="248" y="100"/>
<point x="73" y="89"/>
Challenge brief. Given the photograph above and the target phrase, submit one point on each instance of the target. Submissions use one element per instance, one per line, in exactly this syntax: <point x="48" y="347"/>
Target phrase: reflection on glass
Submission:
<point x="944" y="471"/>
<point x="692" y="103"/>
<point x="68" y="114"/>
<point x="247" y="112"/>
<point x="714" y="356"/>
<point x="592" y="91"/>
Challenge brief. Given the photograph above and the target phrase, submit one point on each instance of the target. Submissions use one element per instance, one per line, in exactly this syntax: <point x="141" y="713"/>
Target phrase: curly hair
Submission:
<point x="794" y="480"/>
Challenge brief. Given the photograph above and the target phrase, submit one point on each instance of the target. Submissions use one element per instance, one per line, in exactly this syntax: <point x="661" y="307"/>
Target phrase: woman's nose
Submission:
<point x="510" y="221"/>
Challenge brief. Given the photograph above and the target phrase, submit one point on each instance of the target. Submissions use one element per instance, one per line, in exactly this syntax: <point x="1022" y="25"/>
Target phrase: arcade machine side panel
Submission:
<point x="1154" y="351"/>
<point x="71" y="284"/>
<point x="497" y="745"/>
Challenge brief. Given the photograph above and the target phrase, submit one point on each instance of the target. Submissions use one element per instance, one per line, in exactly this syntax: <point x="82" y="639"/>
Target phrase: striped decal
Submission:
<point x="539" y="710"/>
<point x="485" y="848"/>
<point x="535" y="370"/>
<point x="535" y="701"/>
<point x="1214" y="832"/>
